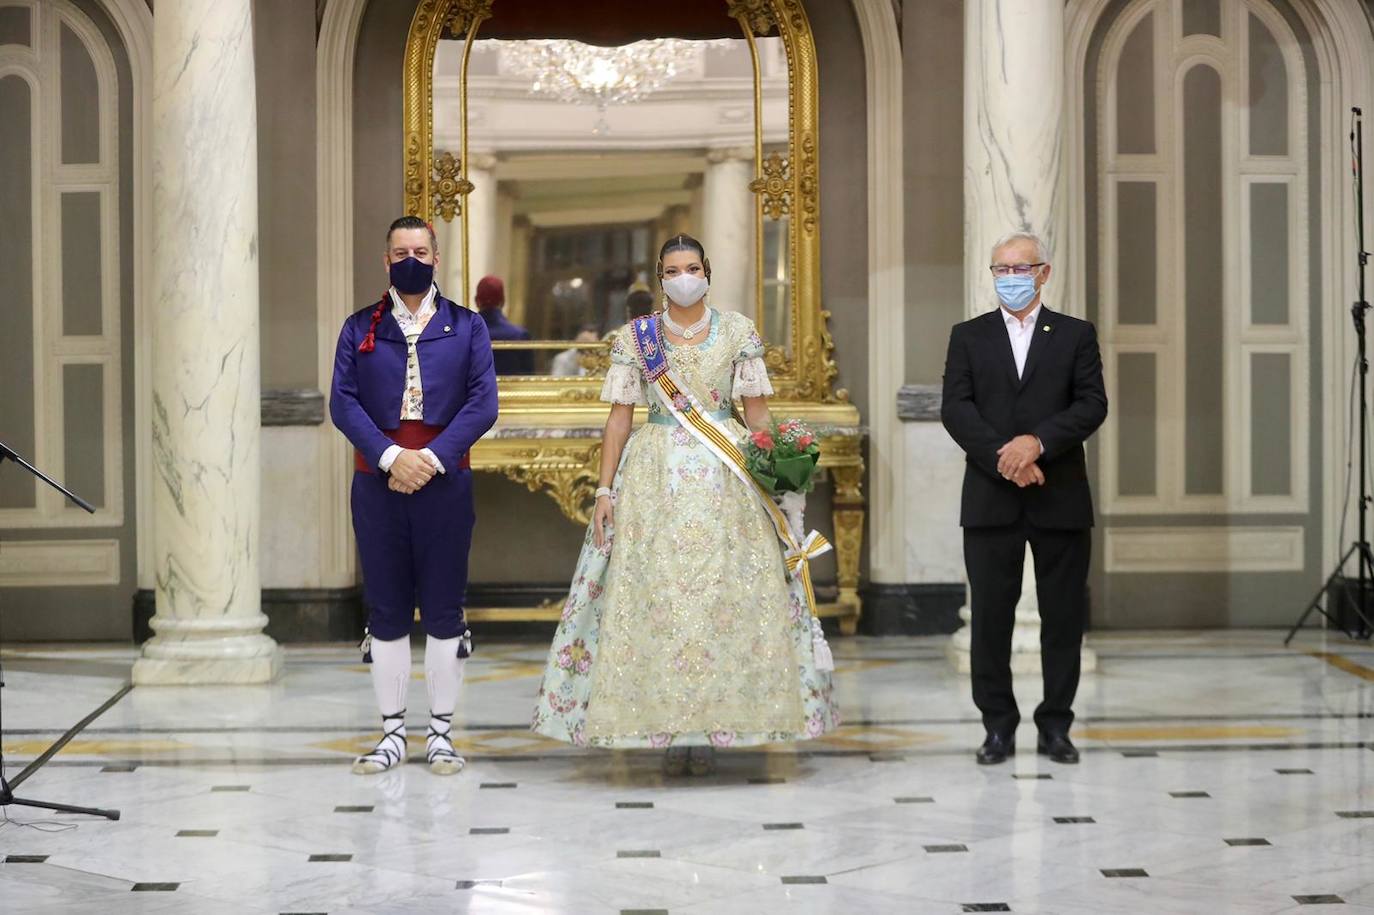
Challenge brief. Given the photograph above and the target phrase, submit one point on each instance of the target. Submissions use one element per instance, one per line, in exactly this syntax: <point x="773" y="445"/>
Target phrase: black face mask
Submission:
<point x="412" y="276"/>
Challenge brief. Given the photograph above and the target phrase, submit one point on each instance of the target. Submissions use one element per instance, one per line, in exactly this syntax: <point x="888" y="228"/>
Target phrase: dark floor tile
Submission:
<point x="1294" y="771"/>
<point x="230" y="788"/>
<point x="197" y="833"/>
<point x="1240" y="843"/>
<point x="634" y="805"/>
<point x="914" y="800"/>
<point x="331" y="858"/>
<point x="643" y="912"/>
<point x="1187" y="794"/>
<point x="986" y="907"/>
<point x="1124" y="872"/>
<point x="783" y="826"/>
<point x="886" y="757"/>
<point x="790" y="881"/>
<point x="354" y="808"/>
<point x="1139" y="754"/>
<point x="1326" y="899"/>
<point x="497" y="785"/>
<point x="638" y="853"/>
<point x="471" y="884"/>
<point x="1355" y="814"/>
<point x="767" y="780"/>
<point x="488" y="830"/>
<point x="1032" y="776"/>
<point x="1066" y="821"/>
<point x="154" y="887"/>
<point x="118" y="768"/>
<point x="943" y="849"/>
<point x="25" y="859"/>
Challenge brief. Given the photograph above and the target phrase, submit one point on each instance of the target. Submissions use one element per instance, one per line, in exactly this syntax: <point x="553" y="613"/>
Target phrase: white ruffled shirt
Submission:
<point x="413" y="394"/>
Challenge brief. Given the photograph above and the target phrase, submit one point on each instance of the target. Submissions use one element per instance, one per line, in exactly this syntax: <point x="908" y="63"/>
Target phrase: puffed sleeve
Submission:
<point x="624" y="379"/>
<point x="751" y="374"/>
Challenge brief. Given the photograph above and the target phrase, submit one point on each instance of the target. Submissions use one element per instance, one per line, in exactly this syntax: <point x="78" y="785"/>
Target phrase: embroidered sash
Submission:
<point x="678" y="400"/>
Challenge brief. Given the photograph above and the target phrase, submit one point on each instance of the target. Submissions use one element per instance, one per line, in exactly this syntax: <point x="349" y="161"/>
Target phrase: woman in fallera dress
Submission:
<point x="683" y="629"/>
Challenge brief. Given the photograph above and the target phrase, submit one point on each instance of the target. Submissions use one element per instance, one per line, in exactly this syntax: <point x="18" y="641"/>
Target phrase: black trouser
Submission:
<point x="995" y="558"/>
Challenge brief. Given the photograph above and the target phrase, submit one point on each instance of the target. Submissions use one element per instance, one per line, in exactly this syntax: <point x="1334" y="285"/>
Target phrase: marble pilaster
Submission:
<point x="728" y="228"/>
<point x="1013" y="181"/>
<point x="206" y="379"/>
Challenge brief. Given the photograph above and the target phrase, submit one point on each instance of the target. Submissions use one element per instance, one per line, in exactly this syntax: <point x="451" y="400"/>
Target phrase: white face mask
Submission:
<point x="685" y="289"/>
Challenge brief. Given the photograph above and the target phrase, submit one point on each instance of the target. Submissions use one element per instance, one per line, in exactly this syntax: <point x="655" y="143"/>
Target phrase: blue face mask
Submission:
<point x="1015" y="292"/>
<point x="412" y="276"/>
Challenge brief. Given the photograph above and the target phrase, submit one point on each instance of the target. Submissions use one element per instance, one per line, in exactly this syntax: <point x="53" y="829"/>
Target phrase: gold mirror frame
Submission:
<point x="781" y="185"/>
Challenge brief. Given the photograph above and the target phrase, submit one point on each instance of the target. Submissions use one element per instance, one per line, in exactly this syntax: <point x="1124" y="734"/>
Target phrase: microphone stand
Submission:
<point x="7" y="787"/>
<point x="1358" y="312"/>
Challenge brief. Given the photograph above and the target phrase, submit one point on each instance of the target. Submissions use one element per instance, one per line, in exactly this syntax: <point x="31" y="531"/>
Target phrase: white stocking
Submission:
<point x="443" y="677"/>
<point x="391" y="673"/>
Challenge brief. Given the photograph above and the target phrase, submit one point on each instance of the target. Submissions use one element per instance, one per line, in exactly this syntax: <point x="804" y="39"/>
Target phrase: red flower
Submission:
<point x="763" y="440"/>
<point x="805" y="441"/>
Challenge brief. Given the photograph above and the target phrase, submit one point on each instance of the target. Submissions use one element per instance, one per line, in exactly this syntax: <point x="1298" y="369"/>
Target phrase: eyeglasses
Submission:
<point x="1015" y="269"/>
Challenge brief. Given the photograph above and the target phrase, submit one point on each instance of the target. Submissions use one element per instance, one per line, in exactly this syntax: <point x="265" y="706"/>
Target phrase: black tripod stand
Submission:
<point x="1359" y="311"/>
<point x="6" y="787"/>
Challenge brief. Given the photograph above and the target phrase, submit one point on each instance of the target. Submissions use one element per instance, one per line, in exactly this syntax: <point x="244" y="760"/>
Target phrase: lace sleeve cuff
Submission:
<point x="751" y="378"/>
<point x="624" y="384"/>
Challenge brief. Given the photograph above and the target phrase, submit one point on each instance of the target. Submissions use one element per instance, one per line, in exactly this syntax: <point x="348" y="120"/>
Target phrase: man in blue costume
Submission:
<point x="413" y="391"/>
<point x="490" y="299"/>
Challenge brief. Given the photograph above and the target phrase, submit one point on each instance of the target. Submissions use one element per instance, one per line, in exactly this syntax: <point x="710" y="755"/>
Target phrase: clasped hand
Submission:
<point x="410" y="471"/>
<point x="1016" y="461"/>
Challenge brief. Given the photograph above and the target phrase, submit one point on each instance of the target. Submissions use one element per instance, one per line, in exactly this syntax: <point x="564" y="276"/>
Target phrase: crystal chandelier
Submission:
<point x="584" y="74"/>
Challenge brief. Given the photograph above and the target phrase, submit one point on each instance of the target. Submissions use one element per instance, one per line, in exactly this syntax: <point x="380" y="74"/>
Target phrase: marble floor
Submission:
<point x="1221" y="772"/>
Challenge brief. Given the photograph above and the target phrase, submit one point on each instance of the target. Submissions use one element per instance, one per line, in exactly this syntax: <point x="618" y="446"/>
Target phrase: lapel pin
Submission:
<point x="1046" y="328"/>
<point x="447" y="328"/>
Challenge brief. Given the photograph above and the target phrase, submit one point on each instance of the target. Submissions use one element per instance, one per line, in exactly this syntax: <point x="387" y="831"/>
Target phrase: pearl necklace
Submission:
<point x="687" y="333"/>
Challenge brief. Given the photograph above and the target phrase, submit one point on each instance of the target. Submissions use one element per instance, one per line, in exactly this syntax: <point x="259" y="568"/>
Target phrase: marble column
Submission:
<point x="448" y="241"/>
<point x="206" y="383"/>
<point x="482" y="215"/>
<point x="1013" y="130"/>
<point x="483" y="246"/>
<point x="727" y="228"/>
<point x="1013" y="181"/>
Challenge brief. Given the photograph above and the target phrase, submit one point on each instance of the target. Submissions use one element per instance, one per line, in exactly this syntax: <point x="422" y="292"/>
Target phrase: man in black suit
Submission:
<point x="1023" y="390"/>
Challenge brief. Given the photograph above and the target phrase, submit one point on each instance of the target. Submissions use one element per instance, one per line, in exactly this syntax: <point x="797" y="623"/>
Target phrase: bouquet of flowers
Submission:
<point x="783" y="457"/>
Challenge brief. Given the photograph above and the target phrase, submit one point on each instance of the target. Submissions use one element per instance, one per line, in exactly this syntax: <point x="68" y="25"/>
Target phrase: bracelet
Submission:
<point x="603" y="491"/>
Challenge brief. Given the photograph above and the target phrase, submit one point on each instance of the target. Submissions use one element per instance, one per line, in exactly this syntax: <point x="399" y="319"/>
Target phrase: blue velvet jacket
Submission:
<point x="455" y="367"/>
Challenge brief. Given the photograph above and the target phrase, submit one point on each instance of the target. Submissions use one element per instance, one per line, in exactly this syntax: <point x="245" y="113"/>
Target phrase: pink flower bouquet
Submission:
<point x="783" y="457"/>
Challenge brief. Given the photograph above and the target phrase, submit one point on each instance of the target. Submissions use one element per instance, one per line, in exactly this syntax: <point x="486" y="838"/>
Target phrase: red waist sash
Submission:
<point x="411" y="434"/>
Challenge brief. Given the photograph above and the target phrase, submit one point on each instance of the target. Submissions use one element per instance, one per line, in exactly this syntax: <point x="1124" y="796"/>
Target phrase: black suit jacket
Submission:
<point x="1060" y="398"/>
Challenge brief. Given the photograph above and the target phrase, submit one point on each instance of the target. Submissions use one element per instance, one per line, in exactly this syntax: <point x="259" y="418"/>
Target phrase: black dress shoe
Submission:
<point x="995" y="750"/>
<point x="1057" y="747"/>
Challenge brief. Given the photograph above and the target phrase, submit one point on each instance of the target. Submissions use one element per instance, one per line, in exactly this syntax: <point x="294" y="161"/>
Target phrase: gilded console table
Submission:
<point x="560" y="456"/>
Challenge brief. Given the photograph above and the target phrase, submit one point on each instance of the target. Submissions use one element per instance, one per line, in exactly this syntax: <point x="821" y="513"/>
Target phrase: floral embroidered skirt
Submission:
<point x="685" y="628"/>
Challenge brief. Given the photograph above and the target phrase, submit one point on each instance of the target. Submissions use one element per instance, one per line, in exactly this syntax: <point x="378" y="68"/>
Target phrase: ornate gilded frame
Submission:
<point x="783" y="185"/>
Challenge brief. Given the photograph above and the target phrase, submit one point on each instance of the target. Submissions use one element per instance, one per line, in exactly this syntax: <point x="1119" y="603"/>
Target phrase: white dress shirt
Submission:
<point x="412" y="395"/>
<point x="1021" y="332"/>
